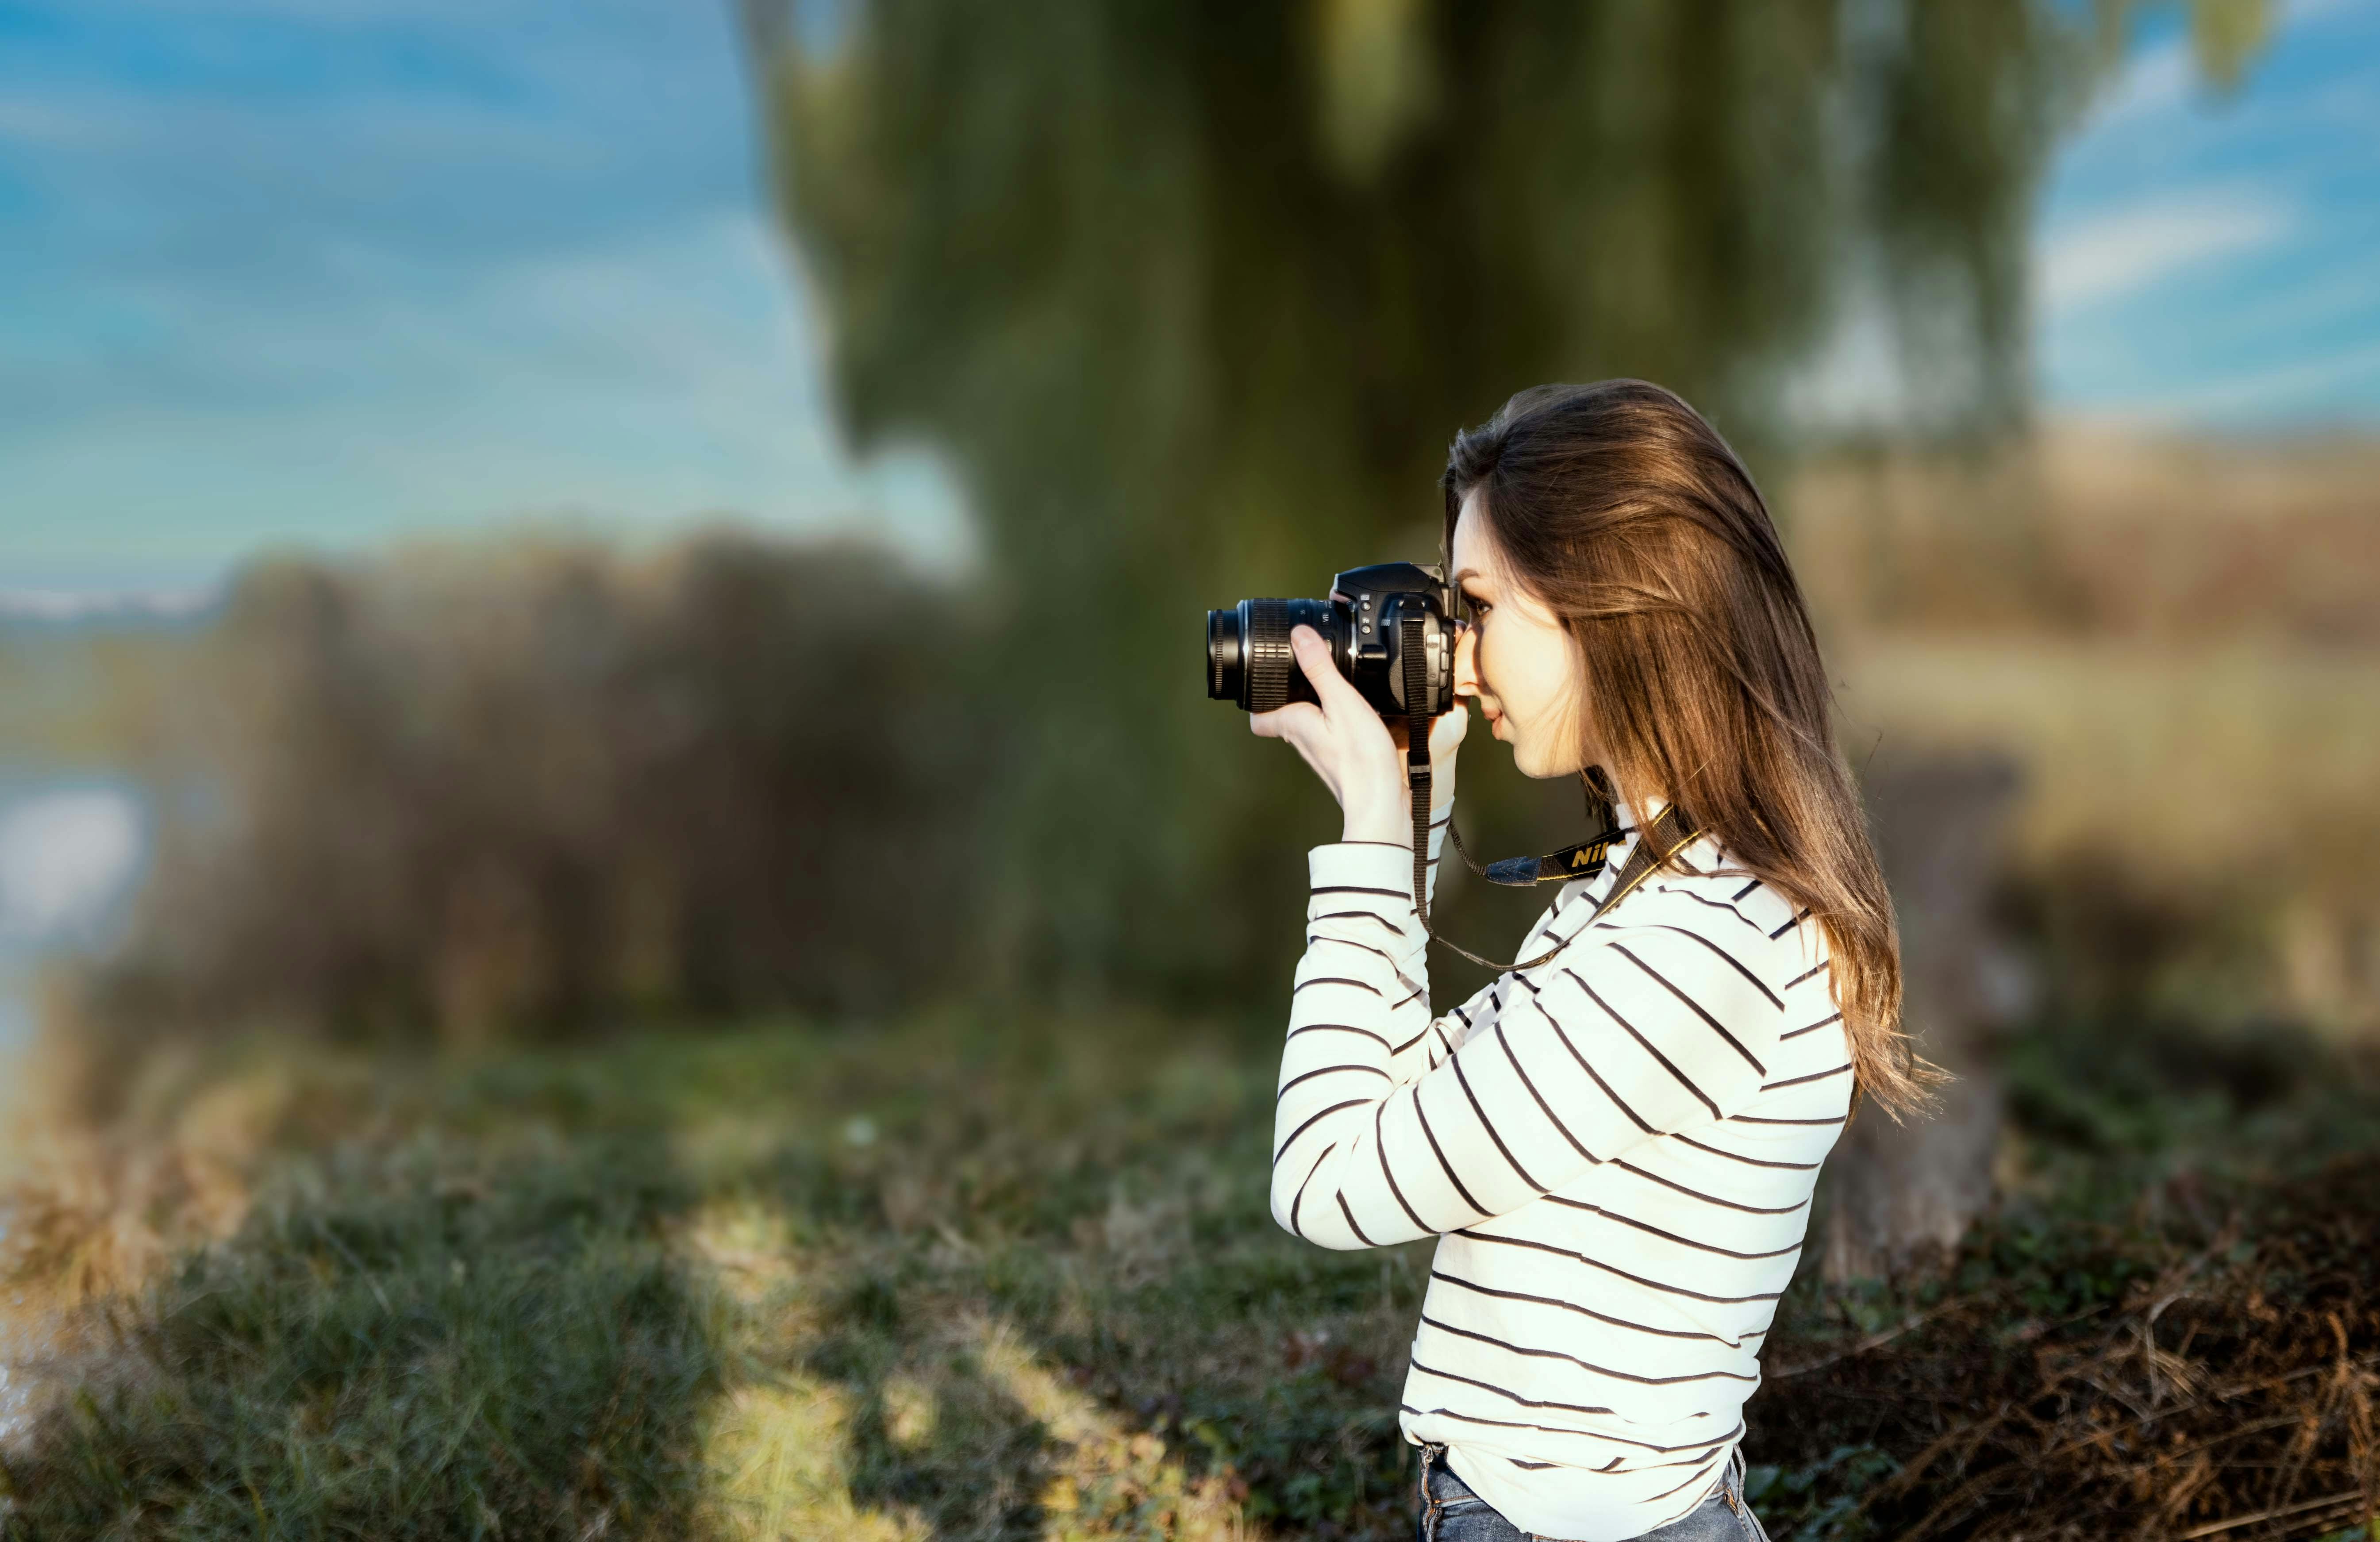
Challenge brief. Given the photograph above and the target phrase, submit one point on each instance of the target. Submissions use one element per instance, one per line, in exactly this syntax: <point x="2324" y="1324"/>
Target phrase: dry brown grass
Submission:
<point x="2217" y="1380"/>
<point x="2178" y="643"/>
<point x="2092" y="531"/>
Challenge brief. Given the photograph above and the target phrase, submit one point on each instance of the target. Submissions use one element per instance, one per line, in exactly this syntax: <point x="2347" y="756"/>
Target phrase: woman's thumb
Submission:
<point x="1451" y="724"/>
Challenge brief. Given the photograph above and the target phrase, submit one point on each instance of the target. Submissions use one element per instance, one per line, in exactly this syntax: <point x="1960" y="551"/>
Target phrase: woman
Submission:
<point x="1616" y="1143"/>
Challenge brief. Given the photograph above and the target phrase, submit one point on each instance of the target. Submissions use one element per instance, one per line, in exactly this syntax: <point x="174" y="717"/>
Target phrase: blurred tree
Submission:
<point x="1196" y="293"/>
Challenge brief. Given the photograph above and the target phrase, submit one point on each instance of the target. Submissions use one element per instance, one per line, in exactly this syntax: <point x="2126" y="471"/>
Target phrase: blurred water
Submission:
<point x="72" y="850"/>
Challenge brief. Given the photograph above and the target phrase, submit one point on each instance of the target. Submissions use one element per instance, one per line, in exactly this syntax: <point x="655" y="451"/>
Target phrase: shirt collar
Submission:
<point x="1628" y="819"/>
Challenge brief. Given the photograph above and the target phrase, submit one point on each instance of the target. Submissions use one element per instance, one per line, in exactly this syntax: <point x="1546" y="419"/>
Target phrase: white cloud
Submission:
<point x="2108" y="256"/>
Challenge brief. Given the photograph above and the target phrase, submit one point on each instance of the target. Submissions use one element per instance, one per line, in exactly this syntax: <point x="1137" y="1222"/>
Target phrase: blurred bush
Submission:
<point x="511" y="791"/>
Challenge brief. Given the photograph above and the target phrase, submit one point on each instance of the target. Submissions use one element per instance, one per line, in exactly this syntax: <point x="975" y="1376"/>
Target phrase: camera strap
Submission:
<point x="1671" y="832"/>
<point x="1586" y="859"/>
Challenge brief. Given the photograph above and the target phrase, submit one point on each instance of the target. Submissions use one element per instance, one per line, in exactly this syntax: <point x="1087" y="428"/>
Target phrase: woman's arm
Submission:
<point x="1638" y="1034"/>
<point x="1365" y="955"/>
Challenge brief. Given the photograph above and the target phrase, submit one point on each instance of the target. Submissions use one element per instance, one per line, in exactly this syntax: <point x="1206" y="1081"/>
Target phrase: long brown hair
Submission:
<point x="1629" y="516"/>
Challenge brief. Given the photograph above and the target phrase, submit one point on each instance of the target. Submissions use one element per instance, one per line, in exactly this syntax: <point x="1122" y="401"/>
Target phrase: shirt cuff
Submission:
<point x="1353" y="867"/>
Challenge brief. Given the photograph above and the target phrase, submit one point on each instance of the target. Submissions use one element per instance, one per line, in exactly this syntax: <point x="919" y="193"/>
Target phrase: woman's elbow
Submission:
<point x="1285" y="1206"/>
<point x="1314" y="1218"/>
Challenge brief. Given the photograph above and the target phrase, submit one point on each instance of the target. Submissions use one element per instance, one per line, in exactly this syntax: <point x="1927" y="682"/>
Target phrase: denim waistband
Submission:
<point x="1730" y="1486"/>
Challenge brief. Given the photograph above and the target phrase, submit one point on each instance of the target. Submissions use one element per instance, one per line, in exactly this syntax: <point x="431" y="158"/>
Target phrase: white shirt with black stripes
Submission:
<point x="1616" y="1148"/>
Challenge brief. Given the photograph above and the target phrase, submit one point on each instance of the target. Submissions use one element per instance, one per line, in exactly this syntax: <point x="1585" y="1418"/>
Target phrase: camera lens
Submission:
<point x="1248" y="657"/>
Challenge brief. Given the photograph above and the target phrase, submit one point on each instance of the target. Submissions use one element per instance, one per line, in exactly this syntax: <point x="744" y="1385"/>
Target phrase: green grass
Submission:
<point x="959" y="1277"/>
<point x="952" y="1278"/>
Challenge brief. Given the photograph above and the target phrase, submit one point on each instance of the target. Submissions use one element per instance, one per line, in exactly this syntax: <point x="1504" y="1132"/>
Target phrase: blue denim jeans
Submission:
<point x="1452" y="1512"/>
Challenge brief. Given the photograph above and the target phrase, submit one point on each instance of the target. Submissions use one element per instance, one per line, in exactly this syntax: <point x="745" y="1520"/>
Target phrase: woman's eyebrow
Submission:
<point x="1467" y="573"/>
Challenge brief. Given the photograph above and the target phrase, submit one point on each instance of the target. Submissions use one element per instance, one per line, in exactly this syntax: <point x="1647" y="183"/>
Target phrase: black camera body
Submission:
<point x="1365" y="621"/>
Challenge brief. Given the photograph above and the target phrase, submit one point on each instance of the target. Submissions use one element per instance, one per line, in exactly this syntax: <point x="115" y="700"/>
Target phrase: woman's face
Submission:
<point x="1515" y="658"/>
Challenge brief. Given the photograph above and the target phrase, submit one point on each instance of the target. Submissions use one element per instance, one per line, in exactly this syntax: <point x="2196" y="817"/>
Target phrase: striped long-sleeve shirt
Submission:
<point x="1617" y="1148"/>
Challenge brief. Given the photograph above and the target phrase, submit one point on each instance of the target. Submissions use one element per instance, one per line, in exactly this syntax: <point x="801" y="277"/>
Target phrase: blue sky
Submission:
<point x="332" y="273"/>
<point x="328" y="271"/>
<point x="2217" y="261"/>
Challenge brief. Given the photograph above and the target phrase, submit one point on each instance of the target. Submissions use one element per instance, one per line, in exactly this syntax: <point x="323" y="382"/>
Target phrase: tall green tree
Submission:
<point x="1195" y="293"/>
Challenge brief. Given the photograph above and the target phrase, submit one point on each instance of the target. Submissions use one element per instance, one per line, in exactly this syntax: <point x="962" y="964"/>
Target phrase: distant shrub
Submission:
<point x="518" y="791"/>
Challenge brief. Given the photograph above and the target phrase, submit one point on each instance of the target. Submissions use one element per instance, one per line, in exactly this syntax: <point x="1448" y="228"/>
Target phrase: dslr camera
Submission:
<point x="1380" y="621"/>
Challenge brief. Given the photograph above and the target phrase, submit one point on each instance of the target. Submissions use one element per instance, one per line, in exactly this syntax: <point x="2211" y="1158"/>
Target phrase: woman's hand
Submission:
<point x="1359" y="755"/>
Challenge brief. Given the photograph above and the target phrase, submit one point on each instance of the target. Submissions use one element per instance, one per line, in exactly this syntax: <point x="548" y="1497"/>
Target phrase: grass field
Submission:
<point x="945" y="1279"/>
<point x="957" y="1277"/>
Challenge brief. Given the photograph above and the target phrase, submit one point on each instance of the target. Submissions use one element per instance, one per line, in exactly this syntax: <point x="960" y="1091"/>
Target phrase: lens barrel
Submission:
<point x="1269" y="663"/>
<point x="1248" y="657"/>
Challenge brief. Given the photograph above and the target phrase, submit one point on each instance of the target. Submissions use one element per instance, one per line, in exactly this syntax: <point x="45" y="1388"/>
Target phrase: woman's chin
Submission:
<point x="1529" y="762"/>
<point x="1525" y="759"/>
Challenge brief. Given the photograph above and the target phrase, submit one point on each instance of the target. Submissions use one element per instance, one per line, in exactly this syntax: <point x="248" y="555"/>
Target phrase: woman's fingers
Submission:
<point x="1345" y="740"/>
<point x="1339" y="697"/>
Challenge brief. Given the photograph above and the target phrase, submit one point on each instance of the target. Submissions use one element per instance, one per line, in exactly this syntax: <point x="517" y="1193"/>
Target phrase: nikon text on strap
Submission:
<point x="1583" y="860"/>
<point x="1669" y="833"/>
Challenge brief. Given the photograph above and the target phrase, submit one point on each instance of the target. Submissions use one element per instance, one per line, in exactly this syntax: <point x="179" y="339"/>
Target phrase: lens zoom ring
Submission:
<point x="1269" y="655"/>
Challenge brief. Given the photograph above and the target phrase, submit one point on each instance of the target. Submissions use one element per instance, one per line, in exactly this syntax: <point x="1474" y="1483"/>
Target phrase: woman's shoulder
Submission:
<point x="1715" y="933"/>
<point x="1735" y="908"/>
<point x="1695" y="978"/>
